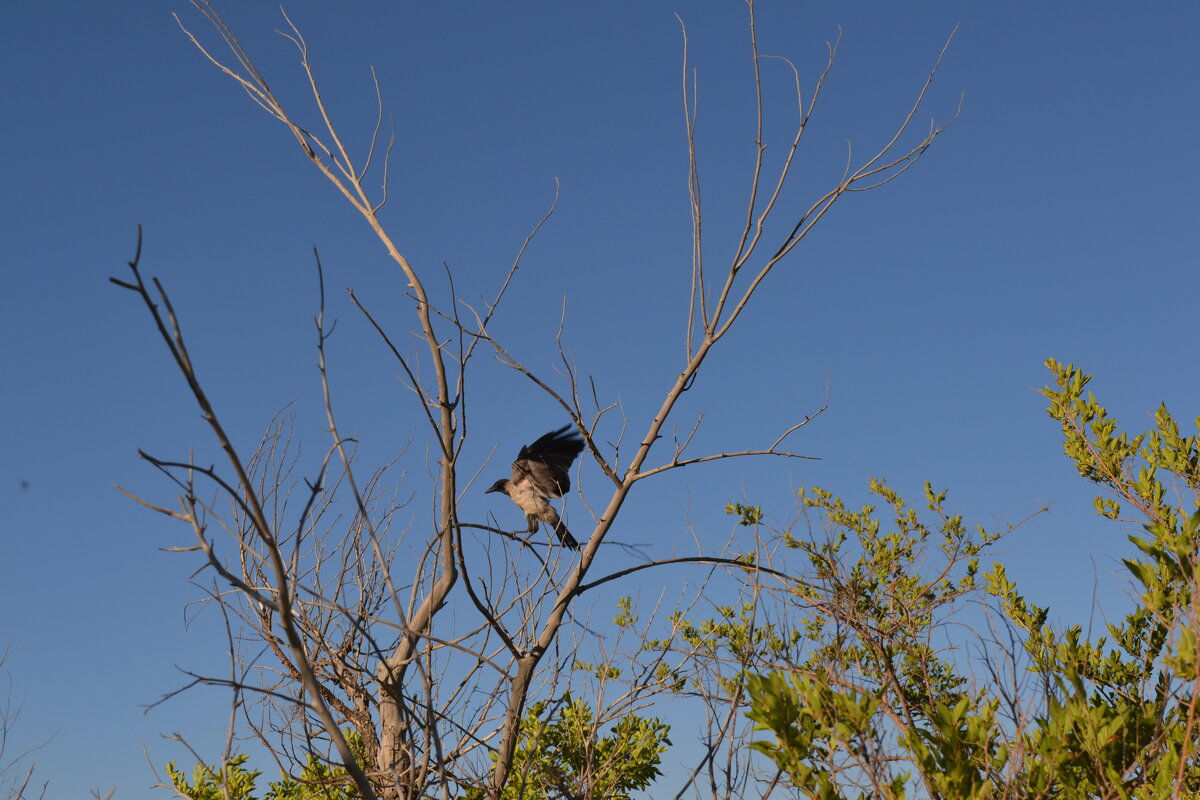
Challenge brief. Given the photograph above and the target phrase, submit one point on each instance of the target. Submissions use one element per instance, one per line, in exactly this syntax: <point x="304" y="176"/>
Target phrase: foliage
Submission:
<point x="875" y="711"/>
<point x="210" y="782"/>
<point x="318" y="780"/>
<point x="562" y="754"/>
<point x="866" y="675"/>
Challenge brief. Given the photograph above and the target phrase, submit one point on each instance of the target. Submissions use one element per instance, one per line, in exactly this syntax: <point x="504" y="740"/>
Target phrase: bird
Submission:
<point x="541" y="471"/>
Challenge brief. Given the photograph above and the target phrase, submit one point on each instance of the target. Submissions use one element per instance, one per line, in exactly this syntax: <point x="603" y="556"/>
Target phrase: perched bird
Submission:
<point x="542" y="470"/>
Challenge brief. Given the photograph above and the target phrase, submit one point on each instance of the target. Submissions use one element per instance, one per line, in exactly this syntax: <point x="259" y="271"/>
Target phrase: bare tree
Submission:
<point x="16" y="769"/>
<point x="433" y="667"/>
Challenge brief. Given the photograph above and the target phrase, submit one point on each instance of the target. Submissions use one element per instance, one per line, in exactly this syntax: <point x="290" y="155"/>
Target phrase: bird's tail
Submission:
<point x="564" y="536"/>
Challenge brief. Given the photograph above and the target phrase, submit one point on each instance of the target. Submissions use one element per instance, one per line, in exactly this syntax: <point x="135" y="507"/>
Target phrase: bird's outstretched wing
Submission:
<point x="546" y="464"/>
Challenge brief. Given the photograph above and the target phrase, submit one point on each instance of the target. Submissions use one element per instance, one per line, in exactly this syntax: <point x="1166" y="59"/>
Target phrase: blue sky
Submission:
<point x="1058" y="217"/>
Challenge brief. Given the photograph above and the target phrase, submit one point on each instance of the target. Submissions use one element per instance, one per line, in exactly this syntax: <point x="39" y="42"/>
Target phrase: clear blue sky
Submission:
<point x="1058" y="217"/>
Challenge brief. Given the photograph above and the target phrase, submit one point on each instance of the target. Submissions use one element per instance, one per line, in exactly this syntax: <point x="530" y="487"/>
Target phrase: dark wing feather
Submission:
<point x="547" y="462"/>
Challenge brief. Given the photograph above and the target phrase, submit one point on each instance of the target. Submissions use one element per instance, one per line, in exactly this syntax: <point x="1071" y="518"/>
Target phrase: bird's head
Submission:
<point x="498" y="486"/>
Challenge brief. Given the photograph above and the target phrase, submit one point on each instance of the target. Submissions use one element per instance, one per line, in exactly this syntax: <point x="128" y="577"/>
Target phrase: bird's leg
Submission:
<point x="533" y="523"/>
